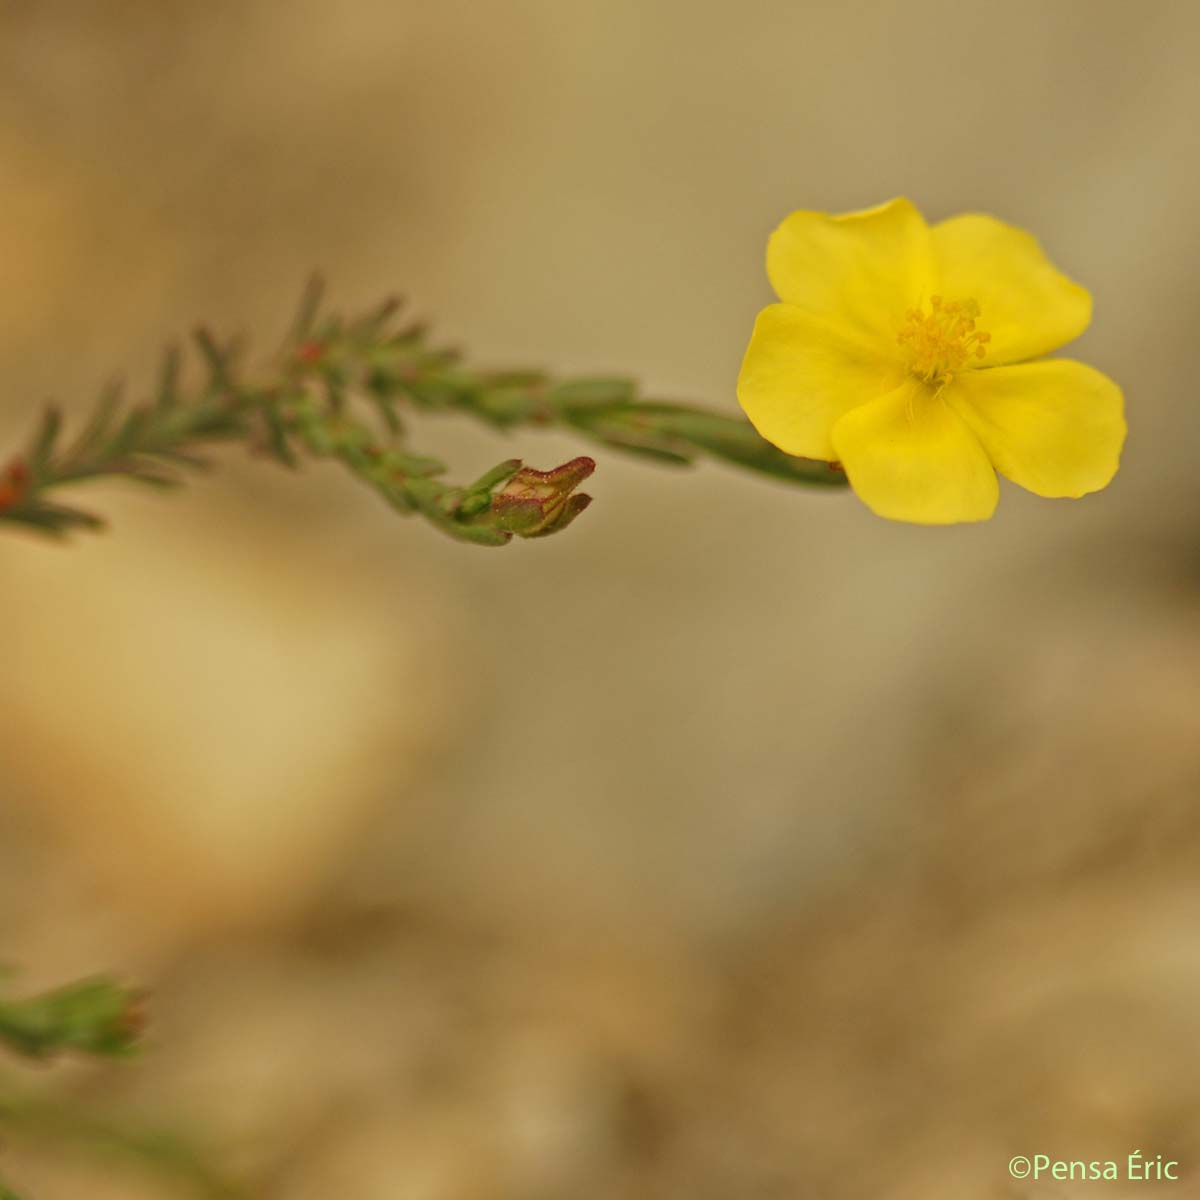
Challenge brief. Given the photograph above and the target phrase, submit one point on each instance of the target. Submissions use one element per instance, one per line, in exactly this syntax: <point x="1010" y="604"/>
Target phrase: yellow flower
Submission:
<point x="904" y="353"/>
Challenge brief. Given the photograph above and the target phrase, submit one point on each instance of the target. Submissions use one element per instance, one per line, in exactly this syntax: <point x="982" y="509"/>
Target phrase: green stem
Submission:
<point x="312" y="404"/>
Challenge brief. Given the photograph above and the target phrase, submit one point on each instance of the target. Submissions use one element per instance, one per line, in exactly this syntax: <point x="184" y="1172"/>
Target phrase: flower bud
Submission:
<point x="536" y="503"/>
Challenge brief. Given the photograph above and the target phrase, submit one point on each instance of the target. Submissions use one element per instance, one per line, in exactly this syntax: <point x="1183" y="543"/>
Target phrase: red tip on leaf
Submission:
<point x="310" y="352"/>
<point x="13" y="484"/>
<point x="134" y="1017"/>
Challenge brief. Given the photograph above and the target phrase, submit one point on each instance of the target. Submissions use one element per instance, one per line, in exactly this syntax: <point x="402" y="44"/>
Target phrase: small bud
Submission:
<point x="536" y="503"/>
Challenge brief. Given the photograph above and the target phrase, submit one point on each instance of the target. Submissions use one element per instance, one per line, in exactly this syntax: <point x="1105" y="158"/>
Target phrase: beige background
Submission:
<point x="735" y="843"/>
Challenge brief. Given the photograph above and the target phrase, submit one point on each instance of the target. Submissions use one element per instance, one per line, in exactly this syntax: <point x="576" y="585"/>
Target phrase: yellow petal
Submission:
<point x="799" y="376"/>
<point x="864" y="269"/>
<point x="1026" y="304"/>
<point x="911" y="458"/>
<point x="1055" y="427"/>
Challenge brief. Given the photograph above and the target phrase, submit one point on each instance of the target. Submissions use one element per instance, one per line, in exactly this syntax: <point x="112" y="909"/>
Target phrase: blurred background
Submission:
<point x="734" y="844"/>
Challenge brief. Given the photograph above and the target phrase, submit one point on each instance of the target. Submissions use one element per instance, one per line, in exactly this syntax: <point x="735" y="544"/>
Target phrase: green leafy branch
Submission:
<point x="104" y="1019"/>
<point x="92" y="1016"/>
<point x="340" y="390"/>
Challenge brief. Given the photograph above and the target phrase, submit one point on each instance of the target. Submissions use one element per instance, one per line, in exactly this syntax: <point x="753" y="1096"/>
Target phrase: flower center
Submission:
<point x="940" y="342"/>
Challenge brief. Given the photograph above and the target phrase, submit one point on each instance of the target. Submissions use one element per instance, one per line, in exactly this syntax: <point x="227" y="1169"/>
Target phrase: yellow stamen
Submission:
<point x="940" y="343"/>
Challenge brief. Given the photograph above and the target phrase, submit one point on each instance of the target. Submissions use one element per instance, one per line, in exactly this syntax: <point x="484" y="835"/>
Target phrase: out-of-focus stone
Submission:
<point x="439" y="1153"/>
<point x="206" y="712"/>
